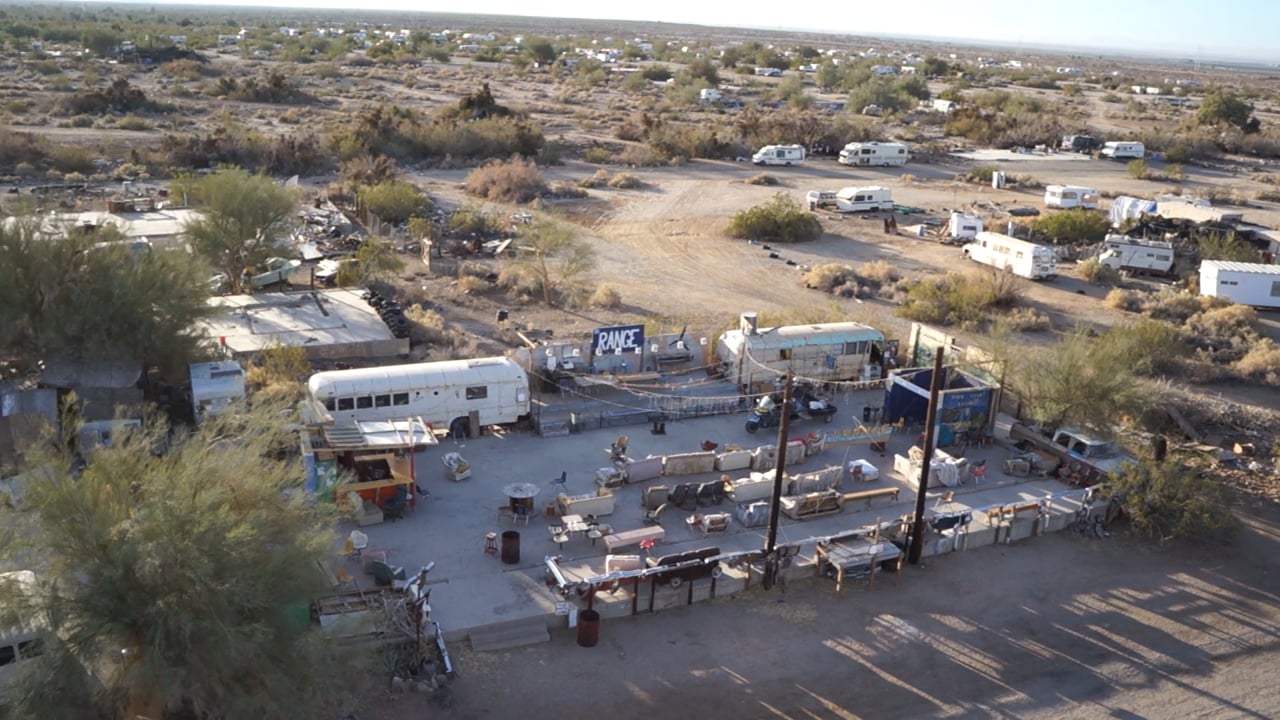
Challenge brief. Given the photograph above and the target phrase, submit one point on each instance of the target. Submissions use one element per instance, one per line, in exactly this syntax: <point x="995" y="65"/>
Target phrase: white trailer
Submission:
<point x="754" y="357"/>
<point x="1120" y="150"/>
<point x="1137" y="256"/>
<point x="874" y="154"/>
<point x="944" y="106"/>
<point x="215" y="386"/>
<point x="864" y="199"/>
<point x="963" y="226"/>
<point x="1066" y="197"/>
<point x="444" y="394"/>
<point x="779" y="155"/>
<point x="1021" y="257"/>
<point x="1254" y="284"/>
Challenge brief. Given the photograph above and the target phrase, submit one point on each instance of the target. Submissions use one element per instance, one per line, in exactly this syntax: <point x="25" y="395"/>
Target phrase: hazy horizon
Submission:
<point x="1161" y="28"/>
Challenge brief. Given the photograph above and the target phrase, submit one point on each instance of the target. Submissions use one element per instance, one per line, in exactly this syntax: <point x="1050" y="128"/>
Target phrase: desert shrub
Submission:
<point x="939" y="300"/>
<point x="275" y="88"/>
<point x="394" y="201"/>
<point x="369" y="170"/>
<point x="641" y="156"/>
<point x="1223" y="333"/>
<point x="515" y="180"/>
<point x="428" y="327"/>
<point x="472" y="284"/>
<point x="469" y="221"/>
<point x="19" y="147"/>
<point x="1094" y="272"/>
<point x="70" y="158"/>
<point x="566" y="189"/>
<point x="981" y="174"/>
<point x="473" y="130"/>
<point x="782" y="219"/>
<point x="605" y="296"/>
<point x="623" y="181"/>
<point x="1267" y="195"/>
<point x="1073" y="227"/>
<point x="879" y="272"/>
<point x="518" y="283"/>
<point x="655" y="73"/>
<point x="1167" y="502"/>
<point x="1147" y="346"/>
<point x="1122" y="299"/>
<point x="1180" y="154"/>
<point x="1226" y="246"/>
<point x="597" y="156"/>
<point x="994" y="287"/>
<point x="1027" y="320"/>
<point x="598" y="178"/>
<point x="687" y="140"/>
<point x="829" y="276"/>
<point x="1138" y="169"/>
<point x="118" y="97"/>
<point x="133" y="122"/>
<point x="1261" y="362"/>
<point x="762" y="179"/>
<point x="278" y="364"/>
<point x="1172" y="306"/>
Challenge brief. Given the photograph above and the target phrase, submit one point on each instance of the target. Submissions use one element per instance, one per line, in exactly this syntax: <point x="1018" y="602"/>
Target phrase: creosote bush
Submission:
<point x="605" y="296"/>
<point x="516" y="180"/>
<point x="782" y="219"/>
<point x="1167" y="502"/>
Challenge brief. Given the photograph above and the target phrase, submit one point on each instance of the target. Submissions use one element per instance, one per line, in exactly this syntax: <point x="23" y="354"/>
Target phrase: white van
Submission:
<point x="1117" y="150"/>
<point x="863" y="199"/>
<point x="875" y="154"/>
<point x="779" y="155"/>
<point x="1070" y="196"/>
<point x="443" y="394"/>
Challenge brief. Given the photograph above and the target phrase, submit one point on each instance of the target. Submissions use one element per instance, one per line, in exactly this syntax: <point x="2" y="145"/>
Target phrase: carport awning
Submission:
<point x="380" y="435"/>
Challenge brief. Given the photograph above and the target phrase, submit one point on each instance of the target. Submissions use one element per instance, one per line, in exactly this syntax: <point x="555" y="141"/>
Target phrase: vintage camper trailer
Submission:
<point x="1118" y="150"/>
<point x="876" y="154"/>
<point x="779" y="155"/>
<point x="1021" y="257"/>
<point x="444" y="394"/>
<point x="1066" y="197"/>
<point x="753" y="356"/>
<point x="864" y="199"/>
<point x="1137" y="256"/>
<point x="1254" y="284"/>
<point x="963" y="226"/>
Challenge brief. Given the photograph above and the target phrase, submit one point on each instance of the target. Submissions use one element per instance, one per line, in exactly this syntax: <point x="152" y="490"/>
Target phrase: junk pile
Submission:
<point x="325" y="232"/>
<point x="391" y="313"/>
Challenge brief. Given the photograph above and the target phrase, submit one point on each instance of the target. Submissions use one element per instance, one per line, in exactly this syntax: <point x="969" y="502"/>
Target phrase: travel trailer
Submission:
<point x="1254" y="284"/>
<point x="963" y="226"/>
<point x="863" y="199"/>
<point x="1124" y="150"/>
<point x="1133" y="255"/>
<point x="1021" y="257"/>
<point x="779" y="155"/>
<point x="875" y="154"/>
<point x="1066" y="197"/>
<point x="753" y="356"/>
<point x="1079" y="143"/>
<point x="444" y="394"/>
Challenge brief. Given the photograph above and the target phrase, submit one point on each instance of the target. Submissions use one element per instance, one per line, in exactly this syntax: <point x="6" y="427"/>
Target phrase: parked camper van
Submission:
<point x="864" y="199"/>
<point x="876" y="154"/>
<point x="1132" y="255"/>
<point x="1070" y="196"/>
<point x="443" y="394"/>
<point x="779" y="155"/>
<point x="1124" y="150"/>
<point x="1021" y="257"/>
<point x="1254" y="284"/>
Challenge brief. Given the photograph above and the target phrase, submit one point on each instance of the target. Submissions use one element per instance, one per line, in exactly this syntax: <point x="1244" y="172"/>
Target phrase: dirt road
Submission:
<point x="1057" y="627"/>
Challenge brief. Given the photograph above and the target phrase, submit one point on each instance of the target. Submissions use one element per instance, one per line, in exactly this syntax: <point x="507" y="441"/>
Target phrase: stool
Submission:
<point x="491" y="544"/>
<point x="946" y="498"/>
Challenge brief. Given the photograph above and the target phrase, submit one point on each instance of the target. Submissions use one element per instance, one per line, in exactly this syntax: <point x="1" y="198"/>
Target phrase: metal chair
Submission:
<point x="564" y="478"/>
<point x="654" y="517"/>
<point x="520" y="512"/>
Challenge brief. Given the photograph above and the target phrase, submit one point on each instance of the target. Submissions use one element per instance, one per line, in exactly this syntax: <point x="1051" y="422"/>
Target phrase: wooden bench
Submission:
<point x="869" y="495"/>
<point x="633" y="537"/>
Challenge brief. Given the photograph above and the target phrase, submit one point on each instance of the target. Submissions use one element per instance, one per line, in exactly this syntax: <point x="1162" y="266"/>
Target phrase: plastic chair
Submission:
<point x="355" y="544"/>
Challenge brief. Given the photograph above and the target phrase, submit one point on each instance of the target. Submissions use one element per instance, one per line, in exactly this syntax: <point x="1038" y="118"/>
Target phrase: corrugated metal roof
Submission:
<point x="1232" y="266"/>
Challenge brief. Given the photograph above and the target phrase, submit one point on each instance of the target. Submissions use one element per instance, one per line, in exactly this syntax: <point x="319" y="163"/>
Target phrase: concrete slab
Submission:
<point x="474" y="590"/>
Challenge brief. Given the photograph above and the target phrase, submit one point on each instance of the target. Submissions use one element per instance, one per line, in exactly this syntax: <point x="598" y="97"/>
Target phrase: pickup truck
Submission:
<point x="1087" y="459"/>
<point x="820" y="199"/>
<point x="277" y="271"/>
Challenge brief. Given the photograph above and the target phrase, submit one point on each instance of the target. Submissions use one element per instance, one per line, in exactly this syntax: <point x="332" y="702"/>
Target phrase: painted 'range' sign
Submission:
<point x="623" y="338"/>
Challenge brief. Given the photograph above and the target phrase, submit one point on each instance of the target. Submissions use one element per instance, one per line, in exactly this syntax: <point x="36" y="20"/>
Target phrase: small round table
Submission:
<point x="521" y="495"/>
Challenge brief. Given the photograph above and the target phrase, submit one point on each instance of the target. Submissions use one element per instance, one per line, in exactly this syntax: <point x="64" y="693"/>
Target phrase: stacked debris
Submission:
<point x="324" y="231"/>
<point x="391" y="313"/>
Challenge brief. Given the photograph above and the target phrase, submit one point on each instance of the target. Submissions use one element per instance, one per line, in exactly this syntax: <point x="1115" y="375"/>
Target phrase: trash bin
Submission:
<point x="866" y="413"/>
<point x="510" y="547"/>
<point x="588" y="628"/>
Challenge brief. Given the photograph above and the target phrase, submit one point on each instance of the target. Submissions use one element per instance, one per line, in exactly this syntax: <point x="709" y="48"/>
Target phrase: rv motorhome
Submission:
<point x="1070" y="196"/>
<point x="1132" y="255"/>
<point x="1117" y="150"/>
<point x="779" y="155"/>
<point x="875" y="154"/>
<point x="863" y="199"/>
<point x="443" y="394"/>
<point x="1021" y="257"/>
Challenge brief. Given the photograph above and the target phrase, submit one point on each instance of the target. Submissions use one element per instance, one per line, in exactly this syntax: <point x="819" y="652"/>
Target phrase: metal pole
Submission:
<point x="917" y="527"/>
<point x="784" y="427"/>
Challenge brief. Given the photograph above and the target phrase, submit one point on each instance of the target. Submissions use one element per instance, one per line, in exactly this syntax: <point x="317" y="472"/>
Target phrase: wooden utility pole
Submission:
<point x="917" y="527"/>
<point x="779" y="469"/>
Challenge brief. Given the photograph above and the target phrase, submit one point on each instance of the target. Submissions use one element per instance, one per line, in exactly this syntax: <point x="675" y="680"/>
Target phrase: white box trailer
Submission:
<point x="1066" y="197"/>
<point x="1021" y="257"/>
<point x="875" y="154"/>
<point x="1254" y="284"/>
<point x="1137" y="256"/>
<point x="215" y="386"/>
<point x="443" y="394"/>
<point x="963" y="226"/>
<point x="1120" y="150"/>
<point x="864" y="199"/>
<point x="779" y="155"/>
<point x="753" y="356"/>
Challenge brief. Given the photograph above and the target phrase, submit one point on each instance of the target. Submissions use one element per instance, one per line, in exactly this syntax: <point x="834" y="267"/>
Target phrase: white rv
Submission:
<point x="754" y="356"/>
<point x="864" y="199"/>
<point x="963" y="226"/>
<point x="1134" y="255"/>
<point x="1021" y="257"/>
<point x="874" y="153"/>
<point x="444" y="394"/>
<point x="779" y="155"/>
<point x="215" y="387"/>
<point x="1070" y="196"/>
<point x="1254" y="284"/>
<point x="1118" y="150"/>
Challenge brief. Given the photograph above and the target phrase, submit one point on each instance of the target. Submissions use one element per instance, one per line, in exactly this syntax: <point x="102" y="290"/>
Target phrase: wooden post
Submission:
<point x="917" y="529"/>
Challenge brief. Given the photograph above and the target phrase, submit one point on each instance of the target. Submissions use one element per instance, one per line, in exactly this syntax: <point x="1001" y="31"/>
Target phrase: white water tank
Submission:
<point x="997" y="180"/>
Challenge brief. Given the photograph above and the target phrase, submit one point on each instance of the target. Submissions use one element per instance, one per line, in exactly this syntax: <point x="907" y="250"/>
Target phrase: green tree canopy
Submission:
<point x="540" y="50"/>
<point x="1222" y="107"/>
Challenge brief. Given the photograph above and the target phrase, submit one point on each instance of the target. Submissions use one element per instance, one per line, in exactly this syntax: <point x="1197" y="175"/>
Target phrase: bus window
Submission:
<point x="330" y="405"/>
<point x="382" y="401"/>
<point x="400" y="399"/>
<point x="364" y="402"/>
<point x="478" y="392"/>
<point x="784" y="354"/>
<point x="346" y="403"/>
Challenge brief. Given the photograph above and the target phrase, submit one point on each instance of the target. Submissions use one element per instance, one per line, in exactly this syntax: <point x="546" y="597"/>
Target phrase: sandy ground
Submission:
<point x="1056" y="627"/>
